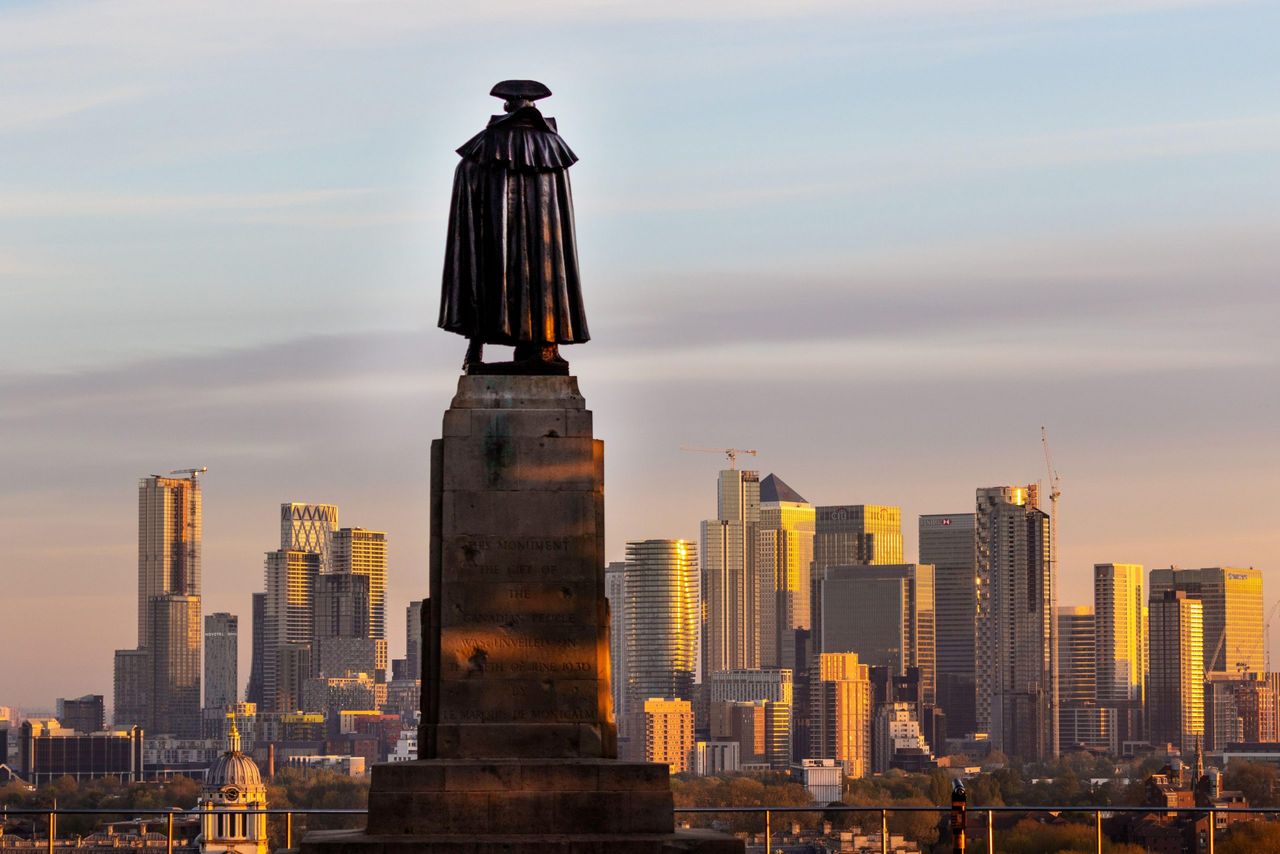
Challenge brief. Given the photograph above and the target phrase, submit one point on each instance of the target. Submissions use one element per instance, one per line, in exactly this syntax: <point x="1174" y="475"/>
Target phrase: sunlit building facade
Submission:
<point x="666" y="728"/>
<point x="1175" y="693"/>
<point x="157" y="686"/>
<point x="661" y="619"/>
<point x="730" y="588"/>
<point x="1120" y="645"/>
<point x="784" y="555"/>
<point x="1232" y="600"/>
<point x="1015" y="646"/>
<point x="842" y="715"/>
<point x="357" y="551"/>
<point x="289" y="604"/>
<point x="947" y="544"/>
<point x="308" y="528"/>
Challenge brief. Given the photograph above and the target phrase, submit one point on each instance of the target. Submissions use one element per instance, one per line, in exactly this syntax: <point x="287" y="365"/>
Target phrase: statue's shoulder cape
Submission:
<point x="524" y="141"/>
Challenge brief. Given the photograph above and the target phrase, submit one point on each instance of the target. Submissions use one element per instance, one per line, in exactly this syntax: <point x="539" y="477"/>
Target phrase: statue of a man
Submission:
<point x="511" y="266"/>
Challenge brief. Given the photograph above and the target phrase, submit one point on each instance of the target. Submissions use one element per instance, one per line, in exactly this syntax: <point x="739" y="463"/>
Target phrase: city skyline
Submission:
<point x="1065" y="208"/>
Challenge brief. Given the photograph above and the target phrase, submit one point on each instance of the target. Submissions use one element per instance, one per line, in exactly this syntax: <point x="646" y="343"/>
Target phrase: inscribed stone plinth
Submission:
<point x="517" y="739"/>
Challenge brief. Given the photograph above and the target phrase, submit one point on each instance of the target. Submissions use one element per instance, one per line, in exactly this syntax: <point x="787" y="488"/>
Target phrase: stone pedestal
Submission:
<point x="518" y="745"/>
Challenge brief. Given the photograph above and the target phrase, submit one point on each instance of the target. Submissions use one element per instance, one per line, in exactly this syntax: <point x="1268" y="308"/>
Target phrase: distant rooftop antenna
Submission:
<point x="731" y="453"/>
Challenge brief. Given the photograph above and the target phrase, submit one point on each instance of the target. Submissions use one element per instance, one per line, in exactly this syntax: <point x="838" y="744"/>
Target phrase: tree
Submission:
<point x="1256" y="780"/>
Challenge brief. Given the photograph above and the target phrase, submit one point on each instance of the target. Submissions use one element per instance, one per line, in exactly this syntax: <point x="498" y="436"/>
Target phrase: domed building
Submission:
<point x="233" y="787"/>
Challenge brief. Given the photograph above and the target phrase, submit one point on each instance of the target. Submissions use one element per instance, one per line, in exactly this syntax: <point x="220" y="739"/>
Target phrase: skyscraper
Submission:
<point x="1232" y="600"/>
<point x="413" y="639"/>
<point x="82" y="714"/>
<point x="666" y="730"/>
<point x="1175" y="694"/>
<point x="169" y="529"/>
<point x="883" y="613"/>
<point x="615" y="591"/>
<point x="308" y="528"/>
<point x="661" y="619"/>
<point x="1120" y="644"/>
<point x="253" y="691"/>
<point x="221" y="645"/>
<point x="947" y="543"/>
<point x="1076" y="665"/>
<point x="289" y="614"/>
<point x="158" y="685"/>
<point x="784" y="554"/>
<point x="175" y="657"/>
<point x="730" y="589"/>
<point x="358" y="551"/>
<point x="840" y="723"/>
<point x="849" y="535"/>
<point x="1016" y="672"/>
<point x="341" y="645"/>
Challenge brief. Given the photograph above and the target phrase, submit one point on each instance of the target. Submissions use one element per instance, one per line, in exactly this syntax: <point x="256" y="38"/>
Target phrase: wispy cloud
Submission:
<point x="92" y="204"/>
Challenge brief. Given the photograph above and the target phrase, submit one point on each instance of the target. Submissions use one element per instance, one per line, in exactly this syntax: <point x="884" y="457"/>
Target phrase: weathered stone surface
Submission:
<point x="683" y="842"/>
<point x="517" y="737"/>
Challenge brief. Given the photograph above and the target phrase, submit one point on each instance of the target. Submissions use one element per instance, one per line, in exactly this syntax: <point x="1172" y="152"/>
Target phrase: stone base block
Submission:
<point x="520" y="797"/>
<point x="683" y="842"/>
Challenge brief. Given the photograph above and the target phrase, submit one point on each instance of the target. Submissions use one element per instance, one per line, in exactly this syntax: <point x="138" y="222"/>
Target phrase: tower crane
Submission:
<point x="1054" y="494"/>
<point x="1266" y="633"/>
<point x="731" y="453"/>
<point x="192" y="473"/>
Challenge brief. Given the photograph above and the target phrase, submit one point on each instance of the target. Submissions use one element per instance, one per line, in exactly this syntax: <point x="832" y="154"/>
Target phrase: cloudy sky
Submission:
<point x="881" y="241"/>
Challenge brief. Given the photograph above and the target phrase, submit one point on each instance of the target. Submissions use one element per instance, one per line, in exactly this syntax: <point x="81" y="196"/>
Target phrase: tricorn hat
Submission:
<point x="522" y="90"/>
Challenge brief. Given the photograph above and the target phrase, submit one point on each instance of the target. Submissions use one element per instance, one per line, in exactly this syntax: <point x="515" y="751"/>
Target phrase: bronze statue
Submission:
<point x="511" y="265"/>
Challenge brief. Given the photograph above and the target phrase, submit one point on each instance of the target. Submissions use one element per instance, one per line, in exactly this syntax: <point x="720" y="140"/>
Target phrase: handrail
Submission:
<point x="957" y="811"/>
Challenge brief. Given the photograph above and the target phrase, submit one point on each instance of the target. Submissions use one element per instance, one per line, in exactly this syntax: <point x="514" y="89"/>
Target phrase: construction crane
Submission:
<point x="1054" y="493"/>
<point x="192" y="473"/>
<point x="731" y="453"/>
<point x="1266" y="634"/>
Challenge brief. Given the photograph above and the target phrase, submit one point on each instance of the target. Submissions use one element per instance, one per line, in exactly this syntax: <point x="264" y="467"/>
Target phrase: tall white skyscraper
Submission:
<point x="730" y="589"/>
<point x="661" y="618"/>
<point x="1016" y="641"/>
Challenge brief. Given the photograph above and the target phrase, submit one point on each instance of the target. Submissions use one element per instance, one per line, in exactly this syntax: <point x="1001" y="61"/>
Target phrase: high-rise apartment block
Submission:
<point x="290" y="580"/>
<point x="615" y="593"/>
<point x="841" y="717"/>
<point x="158" y="684"/>
<point x="1232" y="599"/>
<point x="357" y="551"/>
<point x="947" y="544"/>
<point x="221" y="660"/>
<point x="1015" y="647"/>
<point x="253" y="692"/>
<point x="883" y="613"/>
<point x="666" y="730"/>
<point x="1081" y="721"/>
<point x="773" y="691"/>
<point x="176" y="640"/>
<point x="413" y="639"/>
<point x="1120" y="645"/>
<point x="340" y="636"/>
<point x="784" y="555"/>
<point x="661" y="619"/>
<point x="1175" y="693"/>
<point x="730" y="588"/>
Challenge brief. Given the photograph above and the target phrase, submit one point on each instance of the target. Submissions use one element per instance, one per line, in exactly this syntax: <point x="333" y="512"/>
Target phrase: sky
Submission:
<point x="882" y="242"/>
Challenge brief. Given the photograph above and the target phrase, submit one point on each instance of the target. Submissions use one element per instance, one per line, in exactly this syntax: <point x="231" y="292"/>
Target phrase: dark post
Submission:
<point x="958" y="800"/>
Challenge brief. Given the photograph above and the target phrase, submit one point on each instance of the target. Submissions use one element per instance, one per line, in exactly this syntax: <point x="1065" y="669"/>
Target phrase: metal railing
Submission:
<point x="959" y="813"/>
